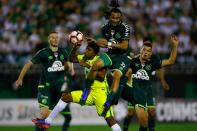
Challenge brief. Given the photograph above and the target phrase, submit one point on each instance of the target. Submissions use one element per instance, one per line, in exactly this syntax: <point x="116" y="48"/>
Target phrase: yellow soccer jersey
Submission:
<point x="97" y="84"/>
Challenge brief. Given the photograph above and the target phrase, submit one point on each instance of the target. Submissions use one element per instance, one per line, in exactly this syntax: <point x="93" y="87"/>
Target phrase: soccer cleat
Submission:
<point x="41" y="123"/>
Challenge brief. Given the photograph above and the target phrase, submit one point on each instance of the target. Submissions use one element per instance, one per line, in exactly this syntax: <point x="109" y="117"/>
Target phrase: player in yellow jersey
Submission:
<point x="97" y="95"/>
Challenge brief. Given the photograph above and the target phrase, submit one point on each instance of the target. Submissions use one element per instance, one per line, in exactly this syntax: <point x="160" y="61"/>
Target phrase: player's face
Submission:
<point x="89" y="52"/>
<point x="115" y="18"/>
<point x="53" y="39"/>
<point x="146" y="52"/>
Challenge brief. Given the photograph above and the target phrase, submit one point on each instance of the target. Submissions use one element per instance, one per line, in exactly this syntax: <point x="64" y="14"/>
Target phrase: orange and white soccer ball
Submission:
<point x="76" y="37"/>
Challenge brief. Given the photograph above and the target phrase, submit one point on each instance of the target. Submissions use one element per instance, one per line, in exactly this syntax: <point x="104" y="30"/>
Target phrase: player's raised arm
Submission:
<point x="171" y="60"/>
<point x="73" y="54"/>
<point x="129" y="76"/>
<point x="19" y="81"/>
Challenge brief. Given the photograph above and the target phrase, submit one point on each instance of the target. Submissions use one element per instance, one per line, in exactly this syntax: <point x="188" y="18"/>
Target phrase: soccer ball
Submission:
<point x="76" y="37"/>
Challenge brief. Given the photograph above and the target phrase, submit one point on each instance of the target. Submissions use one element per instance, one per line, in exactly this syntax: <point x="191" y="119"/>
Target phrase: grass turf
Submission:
<point x="133" y="127"/>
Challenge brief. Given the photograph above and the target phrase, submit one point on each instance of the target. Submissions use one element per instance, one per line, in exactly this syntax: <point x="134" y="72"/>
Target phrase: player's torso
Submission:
<point x="97" y="85"/>
<point x="115" y="34"/>
<point x="142" y="74"/>
<point x="53" y="69"/>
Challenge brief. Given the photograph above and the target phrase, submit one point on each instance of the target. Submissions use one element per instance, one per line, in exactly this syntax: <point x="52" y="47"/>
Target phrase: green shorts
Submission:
<point x="48" y="96"/>
<point x="116" y="61"/>
<point x="135" y="96"/>
<point x="142" y="96"/>
<point x="150" y="99"/>
<point x="150" y="103"/>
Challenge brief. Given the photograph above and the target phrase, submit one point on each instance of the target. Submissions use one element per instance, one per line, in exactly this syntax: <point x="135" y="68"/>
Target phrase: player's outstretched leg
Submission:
<point x="112" y="123"/>
<point x="45" y="123"/>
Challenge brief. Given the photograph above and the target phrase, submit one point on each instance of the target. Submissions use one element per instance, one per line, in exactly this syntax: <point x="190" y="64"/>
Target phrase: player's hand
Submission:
<point x="102" y="43"/>
<point x="18" y="83"/>
<point x="84" y="96"/>
<point x="76" y="45"/>
<point x="90" y="39"/>
<point x="174" y="40"/>
<point x="84" y="64"/>
<point x="166" y="86"/>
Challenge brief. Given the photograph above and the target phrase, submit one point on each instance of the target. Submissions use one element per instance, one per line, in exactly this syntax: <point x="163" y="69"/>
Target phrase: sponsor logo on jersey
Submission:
<point x="141" y="74"/>
<point x="57" y="66"/>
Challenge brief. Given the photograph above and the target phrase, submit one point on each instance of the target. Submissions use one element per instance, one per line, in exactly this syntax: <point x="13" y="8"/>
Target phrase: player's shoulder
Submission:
<point x="96" y="57"/>
<point x="43" y="50"/>
<point x="80" y="57"/>
<point x="135" y="59"/>
<point x="63" y="50"/>
<point x="105" y="25"/>
<point x="124" y="24"/>
<point x="155" y="58"/>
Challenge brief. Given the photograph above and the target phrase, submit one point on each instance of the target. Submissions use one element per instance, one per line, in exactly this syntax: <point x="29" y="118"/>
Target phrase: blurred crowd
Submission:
<point x="25" y="24"/>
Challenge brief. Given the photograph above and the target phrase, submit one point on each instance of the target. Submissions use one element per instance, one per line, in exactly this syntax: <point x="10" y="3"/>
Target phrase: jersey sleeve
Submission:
<point x="103" y="31"/>
<point x="37" y="58"/>
<point x="132" y="61"/>
<point x="126" y="34"/>
<point x="66" y="55"/>
<point x="157" y="61"/>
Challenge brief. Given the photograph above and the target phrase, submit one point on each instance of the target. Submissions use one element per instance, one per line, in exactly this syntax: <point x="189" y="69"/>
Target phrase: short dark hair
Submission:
<point x="147" y="43"/>
<point x="94" y="46"/>
<point x="115" y="10"/>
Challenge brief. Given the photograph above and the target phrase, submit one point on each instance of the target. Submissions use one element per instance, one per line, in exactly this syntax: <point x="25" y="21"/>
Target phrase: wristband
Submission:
<point x="109" y="44"/>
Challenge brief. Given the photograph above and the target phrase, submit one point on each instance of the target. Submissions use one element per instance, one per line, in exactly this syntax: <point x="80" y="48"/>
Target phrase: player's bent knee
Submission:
<point x="130" y="112"/>
<point x="67" y="97"/>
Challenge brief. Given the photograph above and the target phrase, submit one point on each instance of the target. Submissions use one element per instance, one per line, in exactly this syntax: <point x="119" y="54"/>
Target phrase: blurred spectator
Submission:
<point x="24" y="25"/>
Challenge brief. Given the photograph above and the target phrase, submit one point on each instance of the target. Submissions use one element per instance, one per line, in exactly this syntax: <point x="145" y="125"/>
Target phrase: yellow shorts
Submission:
<point x="96" y="97"/>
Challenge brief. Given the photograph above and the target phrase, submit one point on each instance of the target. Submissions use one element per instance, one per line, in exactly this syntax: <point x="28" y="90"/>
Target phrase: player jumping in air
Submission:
<point x="116" y="36"/>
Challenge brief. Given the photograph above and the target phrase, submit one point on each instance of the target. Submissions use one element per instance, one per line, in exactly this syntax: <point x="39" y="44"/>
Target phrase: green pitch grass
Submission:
<point x="133" y="127"/>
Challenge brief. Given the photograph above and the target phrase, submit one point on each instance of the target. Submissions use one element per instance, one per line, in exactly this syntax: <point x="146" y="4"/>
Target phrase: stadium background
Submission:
<point x="24" y="26"/>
